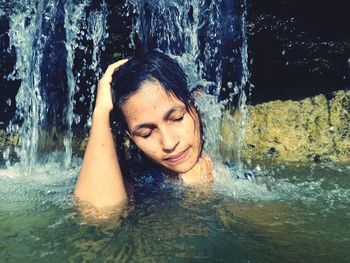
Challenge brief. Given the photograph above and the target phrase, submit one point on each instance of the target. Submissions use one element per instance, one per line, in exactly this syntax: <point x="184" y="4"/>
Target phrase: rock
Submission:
<point x="313" y="129"/>
<point x="7" y="139"/>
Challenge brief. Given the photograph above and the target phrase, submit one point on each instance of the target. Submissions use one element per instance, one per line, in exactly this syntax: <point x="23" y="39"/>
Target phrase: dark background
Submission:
<point x="298" y="48"/>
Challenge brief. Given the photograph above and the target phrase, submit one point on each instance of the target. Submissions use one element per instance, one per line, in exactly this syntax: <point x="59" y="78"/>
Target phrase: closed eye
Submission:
<point x="145" y="136"/>
<point x="179" y="119"/>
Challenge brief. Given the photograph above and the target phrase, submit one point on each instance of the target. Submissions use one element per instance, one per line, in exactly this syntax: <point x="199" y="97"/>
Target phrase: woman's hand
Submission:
<point x="104" y="97"/>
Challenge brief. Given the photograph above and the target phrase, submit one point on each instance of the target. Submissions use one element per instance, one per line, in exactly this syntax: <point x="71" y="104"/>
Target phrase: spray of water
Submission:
<point x="45" y="36"/>
<point x="202" y="37"/>
<point x="80" y="26"/>
<point x="27" y="39"/>
<point x="97" y="31"/>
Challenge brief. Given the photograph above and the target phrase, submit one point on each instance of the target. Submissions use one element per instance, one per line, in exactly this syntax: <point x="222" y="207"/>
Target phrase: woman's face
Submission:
<point x="162" y="127"/>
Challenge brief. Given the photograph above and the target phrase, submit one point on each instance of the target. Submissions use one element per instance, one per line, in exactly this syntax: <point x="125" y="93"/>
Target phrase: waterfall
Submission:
<point x="58" y="46"/>
<point x="81" y="27"/>
<point x="208" y="38"/>
<point x="46" y="35"/>
<point x="28" y="38"/>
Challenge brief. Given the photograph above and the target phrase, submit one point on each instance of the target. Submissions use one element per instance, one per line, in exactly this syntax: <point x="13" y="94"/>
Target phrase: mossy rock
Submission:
<point x="313" y="129"/>
<point x="7" y="139"/>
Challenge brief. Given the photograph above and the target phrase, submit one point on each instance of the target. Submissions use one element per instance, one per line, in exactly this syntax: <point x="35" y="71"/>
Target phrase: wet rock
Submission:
<point x="313" y="129"/>
<point x="7" y="139"/>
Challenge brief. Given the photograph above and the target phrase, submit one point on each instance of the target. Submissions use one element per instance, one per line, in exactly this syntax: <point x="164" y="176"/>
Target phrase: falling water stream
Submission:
<point x="294" y="213"/>
<point x="46" y="40"/>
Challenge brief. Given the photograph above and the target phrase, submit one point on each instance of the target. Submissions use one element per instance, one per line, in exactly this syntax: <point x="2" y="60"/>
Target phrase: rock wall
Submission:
<point x="313" y="129"/>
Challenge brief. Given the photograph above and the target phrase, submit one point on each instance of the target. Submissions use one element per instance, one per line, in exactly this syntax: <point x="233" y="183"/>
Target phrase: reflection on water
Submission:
<point x="295" y="213"/>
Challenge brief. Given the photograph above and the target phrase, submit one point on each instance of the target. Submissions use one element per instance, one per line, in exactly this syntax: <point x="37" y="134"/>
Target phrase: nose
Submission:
<point x="169" y="140"/>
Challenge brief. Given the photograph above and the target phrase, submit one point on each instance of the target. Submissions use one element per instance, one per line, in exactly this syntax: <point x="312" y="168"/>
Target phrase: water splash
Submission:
<point x="81" y="26"/>
<point x="209" y="41"/>
<point x="242" y="101"/>
<point x="27" y="39"/>
<point x="97" y="31"/>
<point x="89" y="36"/>
<point x="58" y="46"/>
<point x="45" y="36"/>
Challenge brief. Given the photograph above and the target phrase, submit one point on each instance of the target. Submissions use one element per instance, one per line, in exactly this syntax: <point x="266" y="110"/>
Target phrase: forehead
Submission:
<point x="149" y="103"/>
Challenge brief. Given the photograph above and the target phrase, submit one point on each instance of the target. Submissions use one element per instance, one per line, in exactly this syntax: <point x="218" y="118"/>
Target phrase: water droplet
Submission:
<point x="77" y="119"/>
<point x="6" y="154"/>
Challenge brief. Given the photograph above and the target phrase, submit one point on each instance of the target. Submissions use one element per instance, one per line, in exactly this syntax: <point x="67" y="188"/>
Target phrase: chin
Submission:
<point x="183" y="167"/>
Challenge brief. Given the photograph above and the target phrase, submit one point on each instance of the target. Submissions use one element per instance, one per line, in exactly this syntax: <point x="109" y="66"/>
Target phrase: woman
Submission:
<point x="149" y="95"/>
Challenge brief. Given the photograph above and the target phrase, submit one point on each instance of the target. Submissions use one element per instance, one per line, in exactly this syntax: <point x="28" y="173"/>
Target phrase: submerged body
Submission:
<point x="159" y="116"/>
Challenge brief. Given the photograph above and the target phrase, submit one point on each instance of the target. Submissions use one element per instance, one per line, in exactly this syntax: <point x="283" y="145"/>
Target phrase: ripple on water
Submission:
<point x="288" y="212"/>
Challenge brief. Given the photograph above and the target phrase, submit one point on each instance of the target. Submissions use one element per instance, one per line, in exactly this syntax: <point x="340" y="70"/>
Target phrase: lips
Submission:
<point x="181" y="156"/>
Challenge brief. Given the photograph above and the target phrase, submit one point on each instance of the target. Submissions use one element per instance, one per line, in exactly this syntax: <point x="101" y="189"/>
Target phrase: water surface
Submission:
<point x="294" y="214"/>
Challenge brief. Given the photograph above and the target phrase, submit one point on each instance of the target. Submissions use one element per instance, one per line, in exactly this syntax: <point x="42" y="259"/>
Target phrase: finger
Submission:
<point x="112" y="67"/>
<point x="107" y="77"/>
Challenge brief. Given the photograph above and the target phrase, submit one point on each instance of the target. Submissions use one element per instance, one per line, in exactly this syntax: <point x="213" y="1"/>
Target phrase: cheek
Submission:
<point x="194" y="133"/>
<point x="191" y="128"/>
<point x="146" y="147"/>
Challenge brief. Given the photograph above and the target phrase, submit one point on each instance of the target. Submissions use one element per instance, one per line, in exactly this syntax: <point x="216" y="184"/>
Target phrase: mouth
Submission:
<point x="178" y="158"/>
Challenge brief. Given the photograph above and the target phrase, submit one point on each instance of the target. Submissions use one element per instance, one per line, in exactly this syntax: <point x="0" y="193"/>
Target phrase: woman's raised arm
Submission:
<point x="100" y="182"/>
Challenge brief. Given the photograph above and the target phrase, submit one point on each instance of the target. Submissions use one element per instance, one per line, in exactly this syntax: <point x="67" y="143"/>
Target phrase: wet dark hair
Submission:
<point x="150" y="66"/>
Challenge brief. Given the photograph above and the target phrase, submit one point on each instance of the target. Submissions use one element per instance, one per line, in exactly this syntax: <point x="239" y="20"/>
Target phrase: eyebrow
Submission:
<point x="151" y="125"/>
